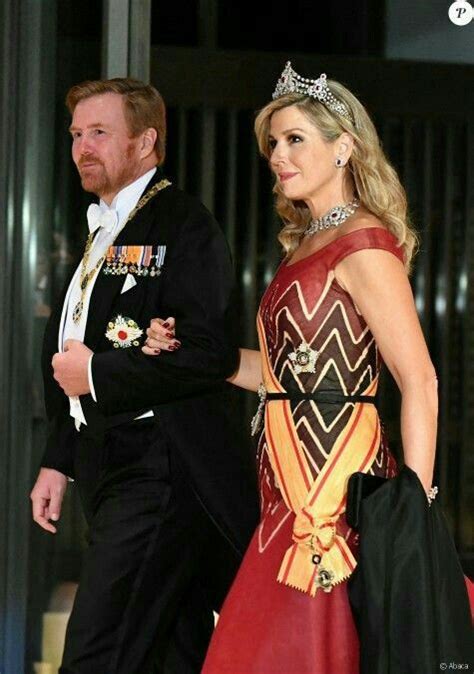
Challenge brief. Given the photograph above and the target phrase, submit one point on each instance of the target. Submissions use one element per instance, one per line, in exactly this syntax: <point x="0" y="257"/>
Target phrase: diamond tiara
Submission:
<point x="292" y="83"/>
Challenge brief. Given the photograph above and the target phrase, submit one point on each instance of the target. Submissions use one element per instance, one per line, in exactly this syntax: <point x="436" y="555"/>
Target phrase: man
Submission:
<point x="165" y="482"/>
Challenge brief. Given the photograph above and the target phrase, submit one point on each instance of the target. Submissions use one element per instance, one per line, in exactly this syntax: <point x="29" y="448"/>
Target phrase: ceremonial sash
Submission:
<point x="319" y="557"/>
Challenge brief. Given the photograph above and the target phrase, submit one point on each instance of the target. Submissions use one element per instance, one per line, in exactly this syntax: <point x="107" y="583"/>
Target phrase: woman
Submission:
<point x="340" y="303"/>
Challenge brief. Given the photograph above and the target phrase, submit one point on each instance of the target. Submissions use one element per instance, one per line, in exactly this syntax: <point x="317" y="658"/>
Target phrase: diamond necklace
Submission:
<point x="333" y="218"/>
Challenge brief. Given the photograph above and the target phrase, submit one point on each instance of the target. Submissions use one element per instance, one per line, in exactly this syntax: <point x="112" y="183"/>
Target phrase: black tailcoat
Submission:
<point x="185" y="388"/>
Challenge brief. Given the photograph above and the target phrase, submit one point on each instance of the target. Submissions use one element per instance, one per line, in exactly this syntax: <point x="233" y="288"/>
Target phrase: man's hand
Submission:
<point x="70" y="368"/>
<point x="47" y="497"/>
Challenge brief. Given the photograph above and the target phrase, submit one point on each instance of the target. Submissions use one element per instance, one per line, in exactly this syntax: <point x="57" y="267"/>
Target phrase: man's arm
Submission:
<point x="198" y="292"/>
<point x="60" y="443"/>
<point x="57" y="462"/>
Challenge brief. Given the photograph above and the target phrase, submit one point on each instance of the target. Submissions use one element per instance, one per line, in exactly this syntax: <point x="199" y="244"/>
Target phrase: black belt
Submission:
<point x="331" y="397"/>
<point x="321" y="397"/>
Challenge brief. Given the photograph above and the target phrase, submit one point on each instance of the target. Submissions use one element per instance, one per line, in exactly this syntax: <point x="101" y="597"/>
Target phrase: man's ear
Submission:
<point x="148" y="141"/>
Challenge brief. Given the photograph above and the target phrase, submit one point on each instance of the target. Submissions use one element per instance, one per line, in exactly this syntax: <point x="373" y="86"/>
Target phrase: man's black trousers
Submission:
<point x="143" y="605"/>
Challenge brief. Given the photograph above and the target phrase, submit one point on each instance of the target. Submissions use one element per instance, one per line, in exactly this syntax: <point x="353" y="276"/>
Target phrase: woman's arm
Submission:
<point x="160" y="337"/>
<point x="249" y="373"/>
<point x="378" y="284"/>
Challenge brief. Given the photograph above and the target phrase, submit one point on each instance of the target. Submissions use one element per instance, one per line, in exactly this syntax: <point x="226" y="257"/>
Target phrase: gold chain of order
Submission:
<point x="87" y="276"/>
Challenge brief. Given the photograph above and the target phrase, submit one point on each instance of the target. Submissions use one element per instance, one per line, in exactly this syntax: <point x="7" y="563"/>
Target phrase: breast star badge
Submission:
<point x="304" y="358"/>
<point x="123" y="332"/>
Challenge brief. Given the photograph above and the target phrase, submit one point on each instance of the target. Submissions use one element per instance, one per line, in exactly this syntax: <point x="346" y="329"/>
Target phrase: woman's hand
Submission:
<point x="160" y="337"/>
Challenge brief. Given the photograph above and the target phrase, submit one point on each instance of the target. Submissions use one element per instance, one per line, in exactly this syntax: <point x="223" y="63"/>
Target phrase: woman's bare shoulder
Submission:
<point x="361" y="220"/>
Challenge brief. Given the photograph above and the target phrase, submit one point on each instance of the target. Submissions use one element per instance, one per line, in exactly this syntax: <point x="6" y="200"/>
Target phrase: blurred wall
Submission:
<point x="422" y="31"/>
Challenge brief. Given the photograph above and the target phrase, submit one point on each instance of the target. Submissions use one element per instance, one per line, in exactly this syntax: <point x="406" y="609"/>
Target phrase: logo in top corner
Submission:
<point x="461" y="13"/>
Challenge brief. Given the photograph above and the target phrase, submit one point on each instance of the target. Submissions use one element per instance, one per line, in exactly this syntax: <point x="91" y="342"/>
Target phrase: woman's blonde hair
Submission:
<point x="376" y="181"/>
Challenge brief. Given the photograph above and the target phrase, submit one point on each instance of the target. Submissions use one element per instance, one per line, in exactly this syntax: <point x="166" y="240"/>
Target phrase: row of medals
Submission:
<point x="117" y="268"/>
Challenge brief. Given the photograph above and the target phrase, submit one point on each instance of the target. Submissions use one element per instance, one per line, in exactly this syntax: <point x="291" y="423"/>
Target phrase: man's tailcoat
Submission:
<point x="185" y="389"/>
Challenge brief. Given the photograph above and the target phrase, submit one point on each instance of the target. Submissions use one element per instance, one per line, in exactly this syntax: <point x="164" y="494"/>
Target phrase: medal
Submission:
<point x="123" y="332"/>
<point x="324" y="580"/>
<point x="133" y="257"/>
<point x="304" y="358"/>
<point x="135" y="260"/>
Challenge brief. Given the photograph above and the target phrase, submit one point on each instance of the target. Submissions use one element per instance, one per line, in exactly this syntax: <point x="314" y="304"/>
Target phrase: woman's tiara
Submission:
<point x="292" y="83"/>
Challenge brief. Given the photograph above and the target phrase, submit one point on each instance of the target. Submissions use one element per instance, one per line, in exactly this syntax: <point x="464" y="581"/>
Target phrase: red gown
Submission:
<point x="266" y="626"/>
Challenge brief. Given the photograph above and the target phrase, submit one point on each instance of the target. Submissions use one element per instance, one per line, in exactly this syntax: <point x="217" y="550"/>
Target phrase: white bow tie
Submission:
<point x="99" y="217"/>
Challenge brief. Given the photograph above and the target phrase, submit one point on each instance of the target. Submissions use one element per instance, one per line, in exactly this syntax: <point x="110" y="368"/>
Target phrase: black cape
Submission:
<point x="408" y="592"/>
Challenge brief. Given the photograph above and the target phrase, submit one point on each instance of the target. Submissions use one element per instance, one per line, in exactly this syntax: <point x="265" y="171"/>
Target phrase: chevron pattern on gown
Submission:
<point x="305" y="304"/>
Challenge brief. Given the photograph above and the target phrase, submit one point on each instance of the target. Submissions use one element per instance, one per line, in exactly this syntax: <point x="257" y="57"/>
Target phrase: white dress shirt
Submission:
<point x="123" y="203"/>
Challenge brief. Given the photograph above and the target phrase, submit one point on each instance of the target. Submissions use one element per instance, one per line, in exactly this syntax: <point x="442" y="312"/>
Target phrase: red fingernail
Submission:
<point x="156" y="351"/>
<point x="166" y="325"/>
<point x="169" y="335"/>
<point x="177" y="342"/>
<point x="172" y="348"/>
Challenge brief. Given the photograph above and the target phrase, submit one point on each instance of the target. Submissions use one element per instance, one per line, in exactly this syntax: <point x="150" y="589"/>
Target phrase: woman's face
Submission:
<point x="303" y="162"/>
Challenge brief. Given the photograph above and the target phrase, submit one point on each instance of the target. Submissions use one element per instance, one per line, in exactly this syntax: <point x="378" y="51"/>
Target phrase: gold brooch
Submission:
<point x="304" y="358"/>
<point x="123" y="332"/>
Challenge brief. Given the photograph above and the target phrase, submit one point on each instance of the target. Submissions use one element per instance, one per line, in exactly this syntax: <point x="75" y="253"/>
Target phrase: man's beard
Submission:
<point x="95" y="181"/>
<point x="99" y="182"/>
